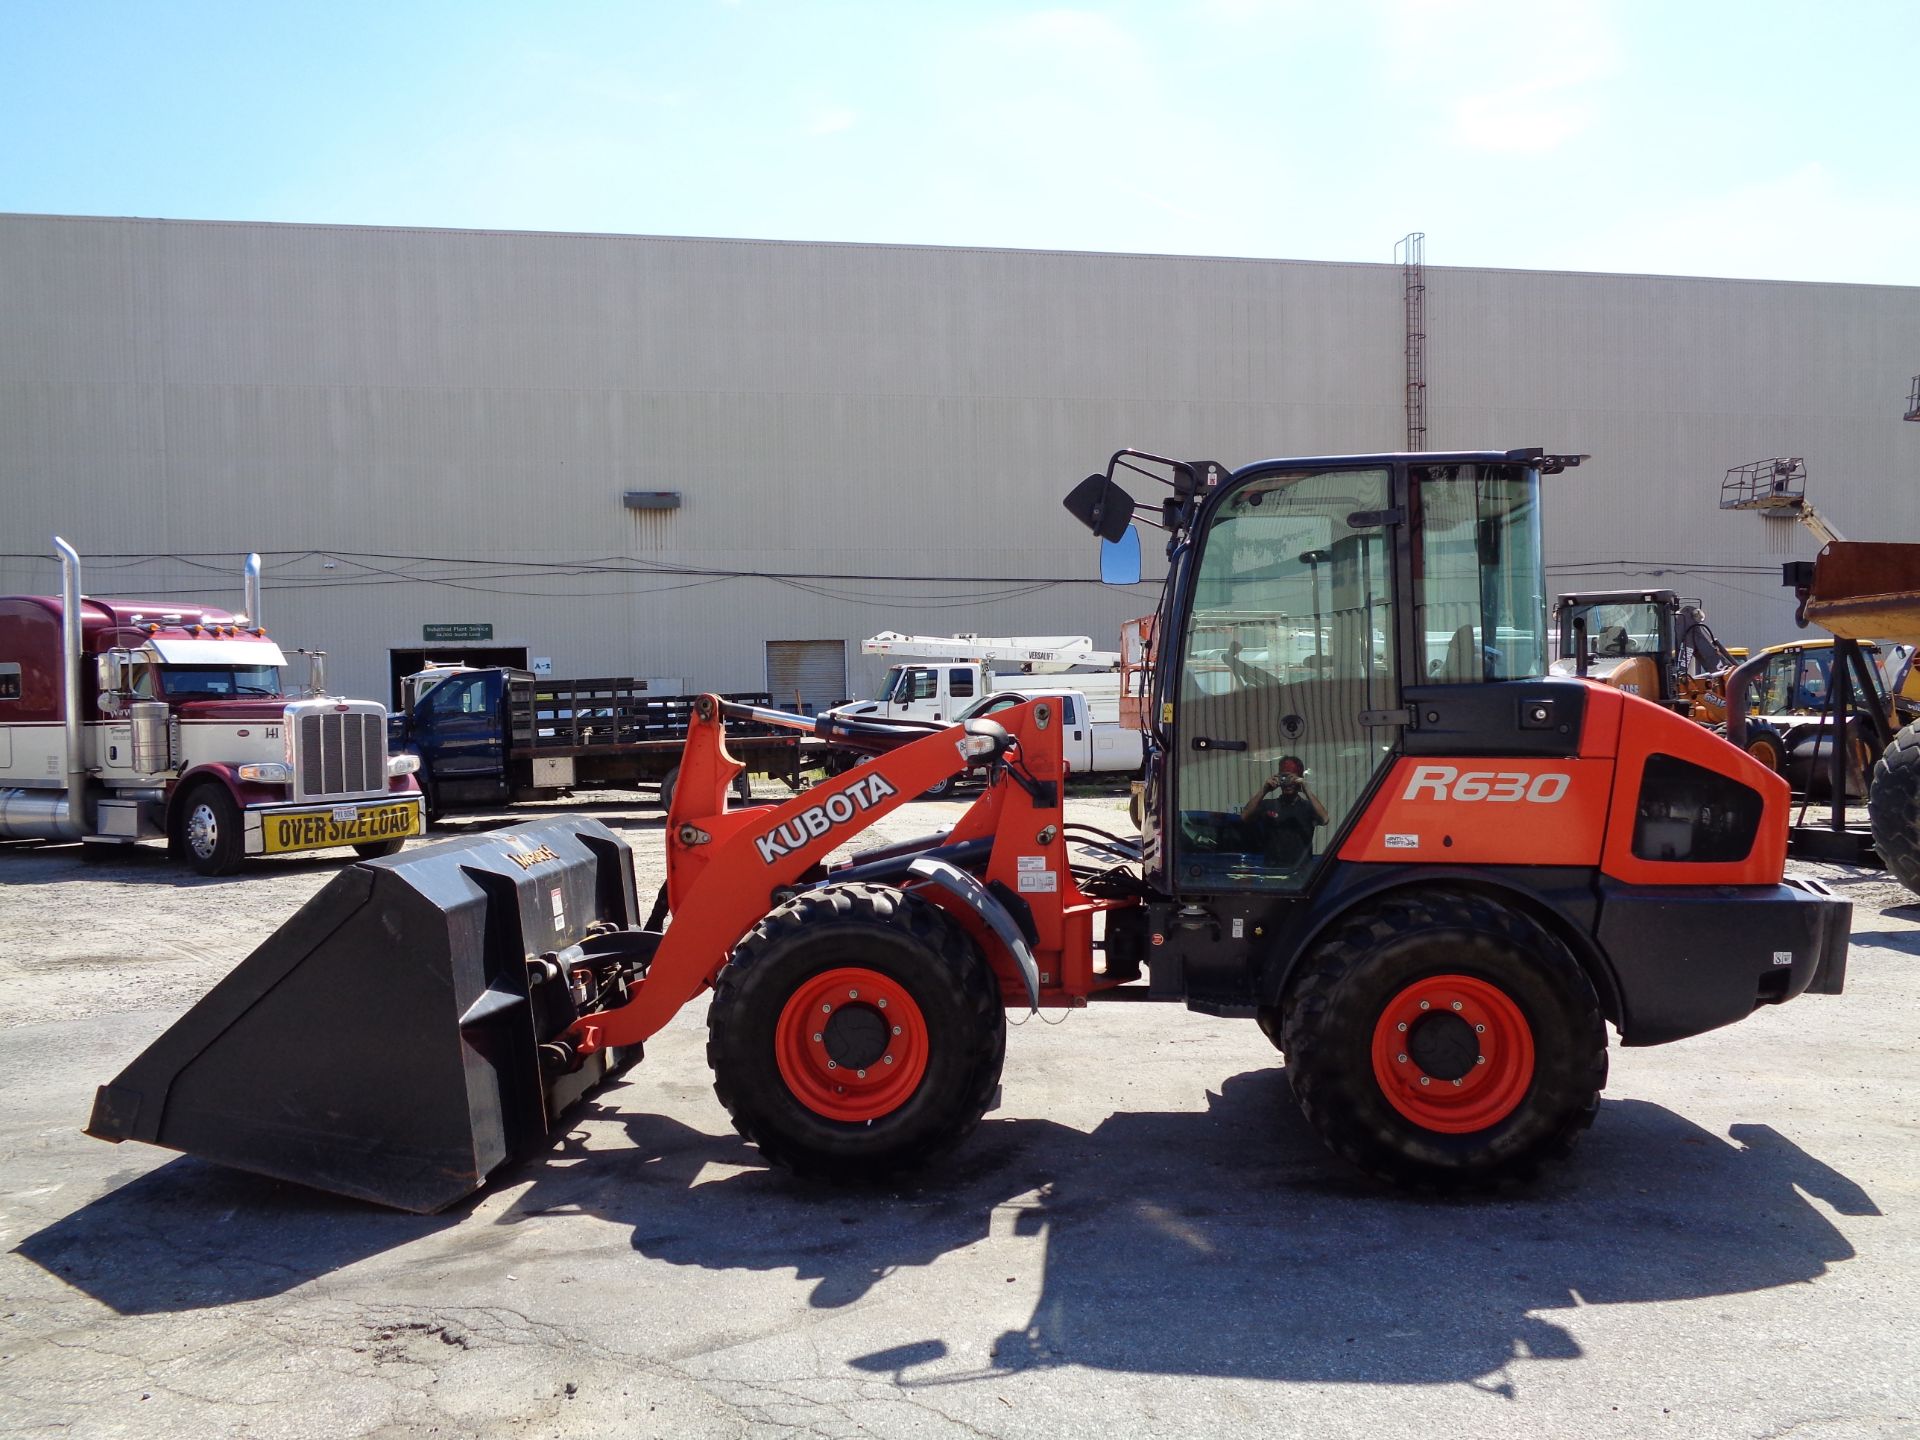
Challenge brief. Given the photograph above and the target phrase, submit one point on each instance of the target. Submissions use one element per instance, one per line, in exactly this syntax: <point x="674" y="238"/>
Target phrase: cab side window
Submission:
<point x="460" y="696"/>
<point x="960" y="684"/>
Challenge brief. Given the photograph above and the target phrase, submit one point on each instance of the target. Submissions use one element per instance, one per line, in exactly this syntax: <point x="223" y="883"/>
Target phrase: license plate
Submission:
<point x="340" y="825"/>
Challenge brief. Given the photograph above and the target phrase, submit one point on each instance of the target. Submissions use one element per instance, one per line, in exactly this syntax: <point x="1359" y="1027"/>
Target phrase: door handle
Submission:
<point x="1207" y="742"/>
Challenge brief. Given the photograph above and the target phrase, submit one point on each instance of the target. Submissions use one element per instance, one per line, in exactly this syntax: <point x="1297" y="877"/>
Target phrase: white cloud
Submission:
<point x="833" y="120"/>
<point x="1804" y="224"/>
<point x="1509" y="76"/>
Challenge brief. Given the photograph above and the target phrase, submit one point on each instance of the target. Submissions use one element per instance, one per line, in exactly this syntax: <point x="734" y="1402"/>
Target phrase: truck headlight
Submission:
<point x="402" y="765"/>
<point x="268" y="772"/>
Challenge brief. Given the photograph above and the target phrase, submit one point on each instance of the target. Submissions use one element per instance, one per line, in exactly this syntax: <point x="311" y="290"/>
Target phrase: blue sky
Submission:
<point x="1766" y="139"/>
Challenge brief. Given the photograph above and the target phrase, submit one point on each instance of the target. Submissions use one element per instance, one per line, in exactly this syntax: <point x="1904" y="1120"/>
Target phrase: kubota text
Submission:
<point x="816" y="820"/>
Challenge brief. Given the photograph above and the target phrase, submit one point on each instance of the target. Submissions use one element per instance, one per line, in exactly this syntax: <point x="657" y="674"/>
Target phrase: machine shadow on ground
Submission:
<point x="191" y="1235"/>
<point x="1224" y="1243"/>
<point x="1229" y="1244"/>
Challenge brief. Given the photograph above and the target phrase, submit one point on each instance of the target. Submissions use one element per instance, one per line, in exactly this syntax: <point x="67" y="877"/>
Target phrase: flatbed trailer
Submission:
<point x="497" y="735"/>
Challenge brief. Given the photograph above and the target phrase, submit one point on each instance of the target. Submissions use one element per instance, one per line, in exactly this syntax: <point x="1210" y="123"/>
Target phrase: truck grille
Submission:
<point x="336" y="754"/>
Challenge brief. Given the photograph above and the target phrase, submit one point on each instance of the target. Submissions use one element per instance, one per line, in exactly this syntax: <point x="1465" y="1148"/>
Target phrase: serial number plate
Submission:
<point x="341" y="825"/>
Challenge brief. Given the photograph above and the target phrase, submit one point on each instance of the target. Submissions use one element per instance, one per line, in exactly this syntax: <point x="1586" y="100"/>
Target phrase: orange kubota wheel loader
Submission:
<point x="1374" y="824"/>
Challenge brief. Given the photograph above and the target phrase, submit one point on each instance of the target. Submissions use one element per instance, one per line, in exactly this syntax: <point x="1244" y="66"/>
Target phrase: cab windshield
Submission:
<point x="219" y="682"/>
<point x="1613" y="630"/>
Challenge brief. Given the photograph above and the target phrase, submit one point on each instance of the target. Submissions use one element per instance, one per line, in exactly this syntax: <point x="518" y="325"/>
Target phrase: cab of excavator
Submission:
<point x="1307" y="601"/>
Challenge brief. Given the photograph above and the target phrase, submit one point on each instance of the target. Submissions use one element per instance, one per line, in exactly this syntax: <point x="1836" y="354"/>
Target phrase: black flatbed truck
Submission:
<point x="497" y="735"/>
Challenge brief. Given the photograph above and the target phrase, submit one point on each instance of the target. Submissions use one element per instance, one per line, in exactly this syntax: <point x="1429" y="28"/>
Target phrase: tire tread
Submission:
<point x="952" y="960"/>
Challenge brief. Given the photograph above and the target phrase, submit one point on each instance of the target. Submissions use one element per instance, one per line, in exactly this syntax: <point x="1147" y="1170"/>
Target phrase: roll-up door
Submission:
<point x="808" y="675"/>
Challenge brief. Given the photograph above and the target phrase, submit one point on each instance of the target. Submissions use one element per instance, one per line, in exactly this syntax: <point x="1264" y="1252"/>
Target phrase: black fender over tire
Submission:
<point x="916" y="946"/>
<point x="1893" y="805"/>
<point x="1371" y="956"/>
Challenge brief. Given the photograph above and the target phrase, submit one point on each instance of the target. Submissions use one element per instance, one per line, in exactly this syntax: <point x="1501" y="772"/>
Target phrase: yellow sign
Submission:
<point x="337" y="825"/>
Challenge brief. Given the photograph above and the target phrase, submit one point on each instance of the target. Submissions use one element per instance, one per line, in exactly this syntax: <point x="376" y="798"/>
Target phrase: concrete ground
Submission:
<point x="1143" y="1240"/>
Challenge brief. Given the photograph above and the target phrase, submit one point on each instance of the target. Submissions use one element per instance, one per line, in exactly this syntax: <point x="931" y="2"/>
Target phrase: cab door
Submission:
<point x="462" y="738"/>
<point x="1288" y="642"/>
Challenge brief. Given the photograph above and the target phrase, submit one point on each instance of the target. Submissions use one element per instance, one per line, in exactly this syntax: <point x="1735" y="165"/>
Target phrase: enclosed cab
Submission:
<point x="1649" y="643"/>
<point x="126" y="720"/>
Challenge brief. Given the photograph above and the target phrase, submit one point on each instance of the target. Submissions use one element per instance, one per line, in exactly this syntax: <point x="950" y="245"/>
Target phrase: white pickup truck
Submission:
<point x="1093" y="747"/>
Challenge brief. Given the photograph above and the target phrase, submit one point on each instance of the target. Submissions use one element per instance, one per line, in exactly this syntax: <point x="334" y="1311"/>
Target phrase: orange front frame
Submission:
<point x="726" y="864"/>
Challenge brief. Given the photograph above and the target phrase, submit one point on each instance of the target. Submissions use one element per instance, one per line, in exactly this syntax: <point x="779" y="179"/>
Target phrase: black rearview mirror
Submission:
<point x="1120" y="559"/>
<point x="1103" y="507"/>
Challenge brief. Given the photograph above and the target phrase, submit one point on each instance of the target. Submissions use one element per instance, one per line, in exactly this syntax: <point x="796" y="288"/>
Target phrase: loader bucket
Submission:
<point x="1867" y="590"/>
<point x="384" y="1042"/>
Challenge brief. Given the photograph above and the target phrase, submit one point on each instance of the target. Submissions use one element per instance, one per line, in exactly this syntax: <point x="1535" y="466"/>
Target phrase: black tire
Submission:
<point x="916" y="947"/>
<point x="1764" y="743"/>
<point x="1893" y="805"/>
<point x="1372" y="957"/>
<point x="206" y="830"/>
<point x="374" y="849"/>
<point x="940" y="789"/>
<point x="1267" y="1017"/>
<point x="668" y="784"/>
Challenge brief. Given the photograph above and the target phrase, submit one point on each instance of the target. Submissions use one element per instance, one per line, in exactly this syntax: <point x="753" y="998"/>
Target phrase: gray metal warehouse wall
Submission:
<point x="448" y="420"/>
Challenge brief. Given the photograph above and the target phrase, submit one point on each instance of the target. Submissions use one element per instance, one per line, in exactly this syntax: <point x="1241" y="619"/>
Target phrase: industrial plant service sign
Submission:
<point x="448" y="633"/>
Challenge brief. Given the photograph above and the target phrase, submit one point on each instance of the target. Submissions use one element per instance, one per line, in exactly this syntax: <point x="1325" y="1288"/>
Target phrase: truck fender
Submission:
<point x="244" y="794"/>
<point x="977" y="898"/>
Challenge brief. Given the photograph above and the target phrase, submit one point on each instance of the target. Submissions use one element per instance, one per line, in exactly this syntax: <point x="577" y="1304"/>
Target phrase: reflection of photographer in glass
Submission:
<point x="1283" y="815"/>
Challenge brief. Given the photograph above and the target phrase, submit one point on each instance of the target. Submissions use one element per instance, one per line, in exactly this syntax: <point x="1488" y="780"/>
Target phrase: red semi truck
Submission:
<point x="127" y="720"/>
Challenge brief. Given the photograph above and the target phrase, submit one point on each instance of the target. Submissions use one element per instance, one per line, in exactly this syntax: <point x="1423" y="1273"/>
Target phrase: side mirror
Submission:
<point x="1120" y="559"/>
<point x="114" y="681"/>
<point x="1102" y="506"/>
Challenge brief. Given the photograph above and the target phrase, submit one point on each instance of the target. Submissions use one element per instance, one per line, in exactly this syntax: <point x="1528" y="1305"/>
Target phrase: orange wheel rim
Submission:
<point x="851" y="1044"/>
<point x="1453" y="1054"/>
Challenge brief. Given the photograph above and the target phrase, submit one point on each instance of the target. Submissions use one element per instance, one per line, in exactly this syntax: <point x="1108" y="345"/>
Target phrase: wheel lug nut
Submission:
<point x="1403" y="1024"/>
<point x="861" y="1073"/>
<point x="1479" y="1029"/>
<point x="818" y="1037"/>
<point x="1456" y="1084"/>
<point x="1456" y="1004"/>
<point x="833" y="1064"/>
<point x="887" y="1058"/>
<point x="896" y="1029"/>
<point x="853" y="994"/>
<point x="881" y="1003"/>
<point x="826" y="1009"/>
<point x="1479" y="1059"/>
<point x="1426" y="1079"/>
<point x="1401" y="1058"/>
<point x="1425" y="1006"/>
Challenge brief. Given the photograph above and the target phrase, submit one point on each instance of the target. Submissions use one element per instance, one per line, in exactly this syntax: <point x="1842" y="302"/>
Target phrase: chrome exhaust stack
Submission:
<point x="46" y="814"/>
<point x="252" y="584"/>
